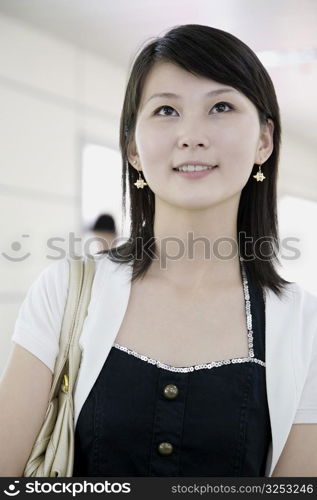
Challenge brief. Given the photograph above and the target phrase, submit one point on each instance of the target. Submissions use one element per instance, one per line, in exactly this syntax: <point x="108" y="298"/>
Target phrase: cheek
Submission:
<point x="149" y="144"/>
<point x="236" y="152"/>
<point x="238" y="143"/>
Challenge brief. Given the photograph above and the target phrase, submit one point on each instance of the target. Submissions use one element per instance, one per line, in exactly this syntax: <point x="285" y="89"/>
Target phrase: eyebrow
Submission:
<point x="176" y="96"/>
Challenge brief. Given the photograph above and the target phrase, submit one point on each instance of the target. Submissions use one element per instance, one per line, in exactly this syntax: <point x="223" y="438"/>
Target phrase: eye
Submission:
<point x="162" y="107"/>
<point x="220" y="105"/>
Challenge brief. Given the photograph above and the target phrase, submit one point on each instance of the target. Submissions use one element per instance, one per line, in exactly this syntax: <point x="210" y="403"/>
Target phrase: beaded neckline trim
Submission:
<point x="186" y="369"/>
<point x="213" y="364"/>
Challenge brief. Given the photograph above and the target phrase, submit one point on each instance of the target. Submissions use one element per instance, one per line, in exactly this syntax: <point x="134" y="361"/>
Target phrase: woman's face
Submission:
<point x="221" y="129"/>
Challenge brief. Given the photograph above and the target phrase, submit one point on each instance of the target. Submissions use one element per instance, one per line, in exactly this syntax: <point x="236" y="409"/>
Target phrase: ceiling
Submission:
<point x="118" y="29"/>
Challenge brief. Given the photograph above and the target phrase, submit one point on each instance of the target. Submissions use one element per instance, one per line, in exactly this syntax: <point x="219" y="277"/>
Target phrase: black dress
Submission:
<point x="144" y="418"/>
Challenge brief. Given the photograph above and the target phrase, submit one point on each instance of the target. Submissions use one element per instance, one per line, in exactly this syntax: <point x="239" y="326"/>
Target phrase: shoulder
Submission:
<point x="302" y="305"/>
<point x="304" y="301"/>
<point x="55" y="274"/>
<point x="295" y="295"/>
<point x="50" y="285"/>
<point x="300" y="312"/>
<point x="293" y="315"/>
<point x="106" y="270"/>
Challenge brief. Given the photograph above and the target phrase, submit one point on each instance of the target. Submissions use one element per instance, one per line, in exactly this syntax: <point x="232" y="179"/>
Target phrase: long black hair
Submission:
<point x="213" y="53"/>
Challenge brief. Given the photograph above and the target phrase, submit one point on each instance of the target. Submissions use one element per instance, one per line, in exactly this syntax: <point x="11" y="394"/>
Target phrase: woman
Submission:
<point x="174" y="379"/>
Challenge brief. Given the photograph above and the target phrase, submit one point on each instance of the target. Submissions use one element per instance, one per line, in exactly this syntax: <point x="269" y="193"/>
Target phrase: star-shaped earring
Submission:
<point x="259" y="175"/>
<point x="140" y="183"/>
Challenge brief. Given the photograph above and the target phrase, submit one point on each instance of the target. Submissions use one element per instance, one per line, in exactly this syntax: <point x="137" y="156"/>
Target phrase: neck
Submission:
<point x="197" y="248"/>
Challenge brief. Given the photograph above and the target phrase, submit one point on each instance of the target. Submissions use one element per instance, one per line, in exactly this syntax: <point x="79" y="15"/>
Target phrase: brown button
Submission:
<point x="165" y="448"/>
<point x="170" y="391"/>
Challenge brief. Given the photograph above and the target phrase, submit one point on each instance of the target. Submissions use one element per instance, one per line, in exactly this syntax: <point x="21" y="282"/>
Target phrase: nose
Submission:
<point x="191" y="141"/>
<point x="192" y="144"/>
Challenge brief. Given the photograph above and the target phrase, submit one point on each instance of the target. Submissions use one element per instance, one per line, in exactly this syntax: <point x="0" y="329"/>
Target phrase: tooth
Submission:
<point x="193" y="168"/>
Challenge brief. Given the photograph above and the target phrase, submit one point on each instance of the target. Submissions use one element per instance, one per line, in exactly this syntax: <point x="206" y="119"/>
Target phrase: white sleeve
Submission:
<point x="38" y="324"/>
<point x="307" y="408"/>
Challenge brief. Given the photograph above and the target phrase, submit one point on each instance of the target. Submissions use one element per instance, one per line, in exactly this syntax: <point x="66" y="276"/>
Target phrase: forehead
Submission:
<point x="168" y="77"/>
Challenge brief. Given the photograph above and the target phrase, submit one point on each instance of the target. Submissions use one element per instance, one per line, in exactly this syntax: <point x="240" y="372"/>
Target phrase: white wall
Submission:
<point x="53" y="97"/>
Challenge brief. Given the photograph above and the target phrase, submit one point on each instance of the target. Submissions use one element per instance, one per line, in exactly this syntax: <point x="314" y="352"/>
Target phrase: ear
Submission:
<point x="265" y="144"/>
<point x="133" y="155"/>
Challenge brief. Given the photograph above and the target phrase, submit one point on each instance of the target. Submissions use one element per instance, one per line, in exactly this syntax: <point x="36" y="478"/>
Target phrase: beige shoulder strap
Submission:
<point x="81" y="275"/>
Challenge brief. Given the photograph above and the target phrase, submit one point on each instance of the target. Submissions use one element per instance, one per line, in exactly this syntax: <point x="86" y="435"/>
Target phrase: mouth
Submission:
<point x="196" y="174"/>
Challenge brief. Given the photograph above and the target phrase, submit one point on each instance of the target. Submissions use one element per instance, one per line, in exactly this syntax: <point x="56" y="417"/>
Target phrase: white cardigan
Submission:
<point x="290" y="341"/>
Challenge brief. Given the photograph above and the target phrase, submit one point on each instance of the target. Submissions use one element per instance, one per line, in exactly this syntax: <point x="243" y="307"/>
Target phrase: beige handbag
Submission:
<point x="52" y="454"/>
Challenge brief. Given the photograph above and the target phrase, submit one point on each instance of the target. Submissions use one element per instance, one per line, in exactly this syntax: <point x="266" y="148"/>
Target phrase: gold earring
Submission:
<point x="259" y="175"/>
<point x="140" y="183"/>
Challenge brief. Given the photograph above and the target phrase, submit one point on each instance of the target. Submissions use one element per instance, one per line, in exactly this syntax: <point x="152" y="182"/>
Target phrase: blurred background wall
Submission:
<point x="63" y="71"/>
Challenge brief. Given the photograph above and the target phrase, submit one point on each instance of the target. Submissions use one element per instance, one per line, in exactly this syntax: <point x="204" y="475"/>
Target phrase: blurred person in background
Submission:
<point x="104" y="229"/>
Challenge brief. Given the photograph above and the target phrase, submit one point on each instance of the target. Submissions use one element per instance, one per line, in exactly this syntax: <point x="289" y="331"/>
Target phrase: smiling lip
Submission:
<point x="196" y="175"/>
